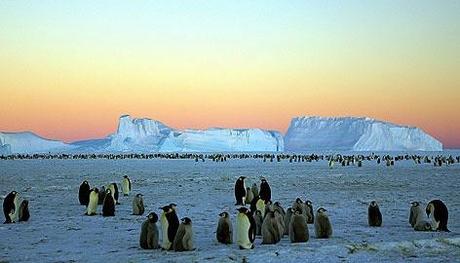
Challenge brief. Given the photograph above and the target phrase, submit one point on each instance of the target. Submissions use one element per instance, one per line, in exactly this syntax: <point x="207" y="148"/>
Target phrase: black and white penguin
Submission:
<point x="101" y="195"/>
<point x="224" y="232"/>
<point x="11" y="207"/>
<point x="265" y="192"/>
<point x="183" y="241"/>
<point x="245" y="229"/>
<point x="149" y="238"/>
<point x="439" y="215"/>
<point x="108" y="207"/>
<point x="374" y="217"/>
<point x="240" y="191"/>
<point x="83" y="193"/>
<point x="24" y="214"/>
<point x="114" y="190"/>
<point x="91" y="209"/>
<point x="169" y="226"/>
<point x="138" y="205"/>
<point x="126" y="185"/>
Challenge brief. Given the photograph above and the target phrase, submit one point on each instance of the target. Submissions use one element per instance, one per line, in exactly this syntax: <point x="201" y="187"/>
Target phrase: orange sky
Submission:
<point x="69" y="75"/>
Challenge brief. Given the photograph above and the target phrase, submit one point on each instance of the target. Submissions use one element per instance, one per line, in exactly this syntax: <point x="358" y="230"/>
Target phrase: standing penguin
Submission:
<point x="374" y="217"/>
<point x="101" y="195"/>
<point x="126" y="185"/>
<point x="245" y="229"/>
<point x="298" y="229"/>
<point x="169" y="225"/>
<point x="91" y="209"/>
<point x="11" y="207"/>
<point x="138" y="205"/>
<point x="83" y="193"/>
<point x="310" y="214"/>
<point x="108" y="206"/>
<point x="270" y="230"/>
<point x="258" y="220"/>
<point x="265" y="192"/>
<point x="240" y="191"/>
<point x="114" y="191"/>
<point x="224" y="233"/>
<point x="24" y="214"/>
<point x="439" y="215"/>
<point x="415" y="214"/>
<point x="323" y="227"/>
<point x="183" y="241"/>
<point x="249" y="196"/>
<point x="149" y="232"/>
<point x="287" y="220"/>
<point x="300" y="205"/>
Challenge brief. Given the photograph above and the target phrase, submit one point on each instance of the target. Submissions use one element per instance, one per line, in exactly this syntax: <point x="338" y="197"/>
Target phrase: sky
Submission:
<point x="69" y="69"/>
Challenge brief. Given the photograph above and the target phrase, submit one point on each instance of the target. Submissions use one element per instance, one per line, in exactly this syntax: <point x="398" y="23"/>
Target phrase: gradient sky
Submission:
<point x="69" y="69"/>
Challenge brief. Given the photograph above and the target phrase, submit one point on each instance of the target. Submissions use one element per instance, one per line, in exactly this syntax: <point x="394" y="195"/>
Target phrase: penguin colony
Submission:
<point x="264" y="218"/>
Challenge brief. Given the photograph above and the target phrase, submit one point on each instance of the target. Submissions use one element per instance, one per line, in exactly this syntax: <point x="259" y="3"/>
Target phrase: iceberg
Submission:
<point x="28" y="142"/>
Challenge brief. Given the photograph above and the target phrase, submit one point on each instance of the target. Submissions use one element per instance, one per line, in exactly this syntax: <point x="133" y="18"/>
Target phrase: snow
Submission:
<point x="28" y="142"/>
<point x="58" y="230"/>
<point x="355" y="134"/>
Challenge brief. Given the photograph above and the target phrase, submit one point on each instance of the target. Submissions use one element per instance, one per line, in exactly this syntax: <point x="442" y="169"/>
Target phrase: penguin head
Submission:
<point x="223" y="214"/>
<point x="25" y="203"/>
<point x="263" y="180"/>
<point x="125" y="176"/>
<point x="308" y="202"/>
<point x="277" y="204"/>
<point x="173" y="206"/>
<point x="297" y="211"/>
<point x="298" y="200"/>
<point x="108" y="191"/>
<point x="415" y="204"/>
<point x="96" y="190"/>
<point x="243" y="210"/>
<point x="186" y="221"/>
<point x="321" y="210"/>
<point x="139" y="195"/>
<point x="153" y="217"/>
<point x="14" y="193"/>
<point x="166" y="208"/>
<point x="85" y="182"/>
<point x="373" y="204"/>
<point x="241" y="178"/>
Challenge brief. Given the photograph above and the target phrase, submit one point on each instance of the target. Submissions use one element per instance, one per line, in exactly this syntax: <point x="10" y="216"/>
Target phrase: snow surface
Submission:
<point x="58" y="230"/>
<point x="28" y="142"/>
<point x="355" y="134"/>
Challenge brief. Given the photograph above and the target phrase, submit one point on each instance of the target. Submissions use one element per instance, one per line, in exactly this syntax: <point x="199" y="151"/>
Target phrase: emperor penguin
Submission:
<point x="149" y="238"/>
<point x="258" y="220"/>
<point x="11" y="207"/>
<point x="298" y="229"/>
<point x="249" y="196"/>
<point x="240" y="191"/>
<point x="416" y="213"/>
<point x="270" y="230"/>
<point x="108" y="206"/>
<point x="83" y="193"/>
<point x="299" y="205"/>
<point x="265" y="192"/>
<point x="323" y="227"/>
<point x="91" y="209"/>
<point x="183" y="241"/>
<point x="287" y="220"/>
<point x="260" y="206"/>
<point x="374" y="217"/>
<point x="439" y="215"/>
<point x="101" y="195"/>
<point x="24" y="214"/>
<point x="310" y="214"/>
<point x="114" y="191"/>
<point x="245" y="229"/>
<point x="224" y="232"/>
<point x="255" y="190"/>
<point x="169" y="226"/>
<point x="138" y="205"/>
<point x="126" y="185"/>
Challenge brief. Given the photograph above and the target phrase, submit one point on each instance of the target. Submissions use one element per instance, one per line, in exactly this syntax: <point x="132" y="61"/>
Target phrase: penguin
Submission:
<point x="255" y="190"/>
<point x="169" y="226"/>
<point x="415" y="214"/>
<point x="240" y="191"/>
<point x="298" y="229"/>
<point x="126" y="185"/>
<point x="439" y="215"/>
<point x="91" y="209"/>
<point x="299" y="205"/>
<point x="265" y="192"/>
<point x="224" y="232"/>
<point x="280" y="222"/>
<point x="277" y="207"/>
<point x="108" y="207"/>
<point x="114" y="191"/>
<point x="249" y="196"/>
<point x="310" y="214"/>
<point x="260" y="206"/>
<point x="323" y="227"/>
<point x="183" y="241"/>
<point x="138" y="205"/>
<point x="11" y="207"/>
<point x="287" y="220"/>
<point x="374" y="217"/>
<point x="24" y="214"/>
<point x="258" y="219"/>
<point x="101" y="195"/>
<point x="245" y="229"/>
<point x="423" y="225"/>
<point x="270" y="231"/>
<point x="83" y="193"/>
<point x="149" y="232"/>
